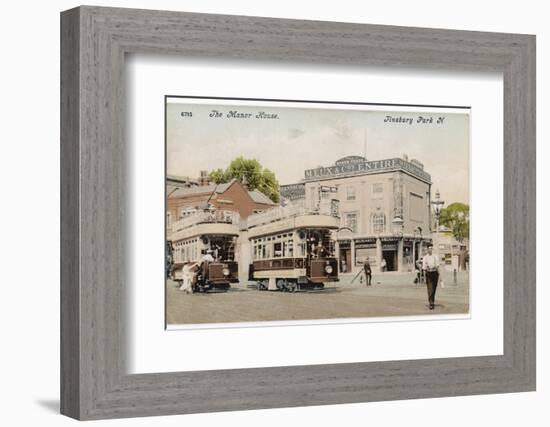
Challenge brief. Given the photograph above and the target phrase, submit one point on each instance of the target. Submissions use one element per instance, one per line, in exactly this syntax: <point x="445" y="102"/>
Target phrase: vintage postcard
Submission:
<point x="300" y="210"/>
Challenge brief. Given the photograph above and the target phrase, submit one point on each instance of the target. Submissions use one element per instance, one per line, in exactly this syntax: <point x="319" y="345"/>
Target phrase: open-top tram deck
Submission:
<point x="203" y="250"/>
<point x="292" y="248"/>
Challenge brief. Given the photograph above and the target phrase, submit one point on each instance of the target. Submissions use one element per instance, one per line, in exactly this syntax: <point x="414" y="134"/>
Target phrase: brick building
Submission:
<point x="231" y="196"/>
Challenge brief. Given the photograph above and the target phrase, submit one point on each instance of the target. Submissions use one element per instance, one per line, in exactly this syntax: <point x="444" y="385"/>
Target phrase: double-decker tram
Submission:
<point x="292" y="249"/>
<point x="204" y="242"/>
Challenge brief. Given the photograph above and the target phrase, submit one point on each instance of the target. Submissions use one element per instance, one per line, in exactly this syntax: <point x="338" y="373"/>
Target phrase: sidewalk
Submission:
<point x="394" y="278"/>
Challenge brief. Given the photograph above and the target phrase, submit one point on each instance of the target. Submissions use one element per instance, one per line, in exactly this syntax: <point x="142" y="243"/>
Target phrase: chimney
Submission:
<point x="244" y="182"/>
<point x="203" y="178"/>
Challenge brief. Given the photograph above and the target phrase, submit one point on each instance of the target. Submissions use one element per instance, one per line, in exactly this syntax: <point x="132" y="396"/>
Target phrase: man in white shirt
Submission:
<point x="430" y="265"/>
<point x="207" y="257"/>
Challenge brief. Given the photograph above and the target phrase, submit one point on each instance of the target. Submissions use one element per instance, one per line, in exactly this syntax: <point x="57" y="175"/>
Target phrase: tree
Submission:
<point x="456" y="216"/>
<point x="218" y="176"/>
<point x="251" y="173"/>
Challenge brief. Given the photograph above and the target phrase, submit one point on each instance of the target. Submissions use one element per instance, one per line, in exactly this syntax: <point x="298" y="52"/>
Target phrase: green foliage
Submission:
<point x="217" y="176"/>
<point x="251" y="173"/>
<point x="456" y="216"/>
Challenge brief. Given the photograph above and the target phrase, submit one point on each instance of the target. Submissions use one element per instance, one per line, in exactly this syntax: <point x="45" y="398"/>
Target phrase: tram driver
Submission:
<point x="206" y="258"/>
<point x="320" y="251"/>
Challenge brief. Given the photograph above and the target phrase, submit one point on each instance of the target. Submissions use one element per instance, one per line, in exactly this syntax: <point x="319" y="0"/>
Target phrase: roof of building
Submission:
<point x="181" y="180"/>
<point x="256" y="195"/>
<point x="260" y="197"/>
<point x="201" y="189"/>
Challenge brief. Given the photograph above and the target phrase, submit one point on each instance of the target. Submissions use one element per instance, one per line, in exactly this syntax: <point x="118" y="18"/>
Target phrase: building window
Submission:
<point x="289" y="247"/>
<point x="350" y="193"/>
<point x="312" y="198"/>
<point x="169" y="220"/>
<point x="377" y="187"/>
<point x="378" y="222"/>
<point x="350" y="221"/>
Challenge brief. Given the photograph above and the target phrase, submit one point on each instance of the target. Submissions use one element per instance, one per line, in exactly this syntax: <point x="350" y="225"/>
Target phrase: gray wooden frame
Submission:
<point x="94" y="41"/>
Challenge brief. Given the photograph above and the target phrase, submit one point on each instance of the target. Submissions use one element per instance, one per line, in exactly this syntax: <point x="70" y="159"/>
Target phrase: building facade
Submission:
<point x="231" y="197"/>
<point x="454" y="254"/>
<point x="384" y="205"/>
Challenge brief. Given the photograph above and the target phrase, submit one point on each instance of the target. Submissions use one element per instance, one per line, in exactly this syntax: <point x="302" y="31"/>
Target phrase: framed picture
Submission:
<point x="262" y="213"/>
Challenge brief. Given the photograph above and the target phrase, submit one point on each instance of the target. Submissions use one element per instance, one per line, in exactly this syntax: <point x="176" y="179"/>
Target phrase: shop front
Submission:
<point x="365" y="249"/>
<point x="384" y="254"/>
<point x="390" y="258"/>
<point x="345" y="256"/>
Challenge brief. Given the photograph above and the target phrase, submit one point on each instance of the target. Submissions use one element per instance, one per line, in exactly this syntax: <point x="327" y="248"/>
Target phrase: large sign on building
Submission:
<point x="293" y="191"/>
<point x="357" y="165"/>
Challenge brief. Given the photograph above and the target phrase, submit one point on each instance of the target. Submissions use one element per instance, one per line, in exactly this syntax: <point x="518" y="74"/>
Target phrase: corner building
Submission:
<point x="384" y="209"/>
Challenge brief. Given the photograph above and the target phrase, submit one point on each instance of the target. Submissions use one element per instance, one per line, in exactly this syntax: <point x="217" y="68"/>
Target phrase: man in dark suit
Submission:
<point x="368" y="272"/>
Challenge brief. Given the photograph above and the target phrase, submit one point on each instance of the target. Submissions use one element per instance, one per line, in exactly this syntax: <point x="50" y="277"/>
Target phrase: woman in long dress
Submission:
<point x="188" y="274"/>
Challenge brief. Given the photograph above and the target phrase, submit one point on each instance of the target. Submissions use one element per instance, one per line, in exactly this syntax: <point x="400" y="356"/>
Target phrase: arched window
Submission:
<point x="378" y="222"/>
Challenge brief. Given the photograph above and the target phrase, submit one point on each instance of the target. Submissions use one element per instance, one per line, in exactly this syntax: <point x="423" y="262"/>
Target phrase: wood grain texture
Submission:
<point x="94" y="177"/>
<point x="70" y="242"/>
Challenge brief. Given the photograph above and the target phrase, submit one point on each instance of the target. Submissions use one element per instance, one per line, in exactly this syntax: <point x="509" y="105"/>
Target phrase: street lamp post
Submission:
<point x="437" y="204"/>
<point x="415" y="235"/>
<point x="398" y="226"/>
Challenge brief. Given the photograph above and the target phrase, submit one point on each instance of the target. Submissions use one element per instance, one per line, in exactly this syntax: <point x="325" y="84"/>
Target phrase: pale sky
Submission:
<point x="304" y="138"/>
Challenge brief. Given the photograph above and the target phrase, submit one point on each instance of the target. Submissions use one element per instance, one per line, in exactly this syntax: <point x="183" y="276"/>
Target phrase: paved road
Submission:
<point x="391" y="294"/>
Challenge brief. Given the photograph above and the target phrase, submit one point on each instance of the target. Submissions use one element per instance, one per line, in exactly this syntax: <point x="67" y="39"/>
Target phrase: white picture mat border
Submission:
<point x="152" y="349"/>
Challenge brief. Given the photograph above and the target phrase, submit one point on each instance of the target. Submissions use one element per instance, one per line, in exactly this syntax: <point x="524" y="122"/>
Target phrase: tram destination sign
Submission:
<point x="355" y="165"/>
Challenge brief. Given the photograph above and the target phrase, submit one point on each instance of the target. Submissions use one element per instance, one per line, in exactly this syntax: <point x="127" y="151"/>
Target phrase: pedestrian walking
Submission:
<point x="383" y="265"/>
<point x="368" y="272"/>
<point x="430" y="265"/>
<point x="418" y="270"/>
